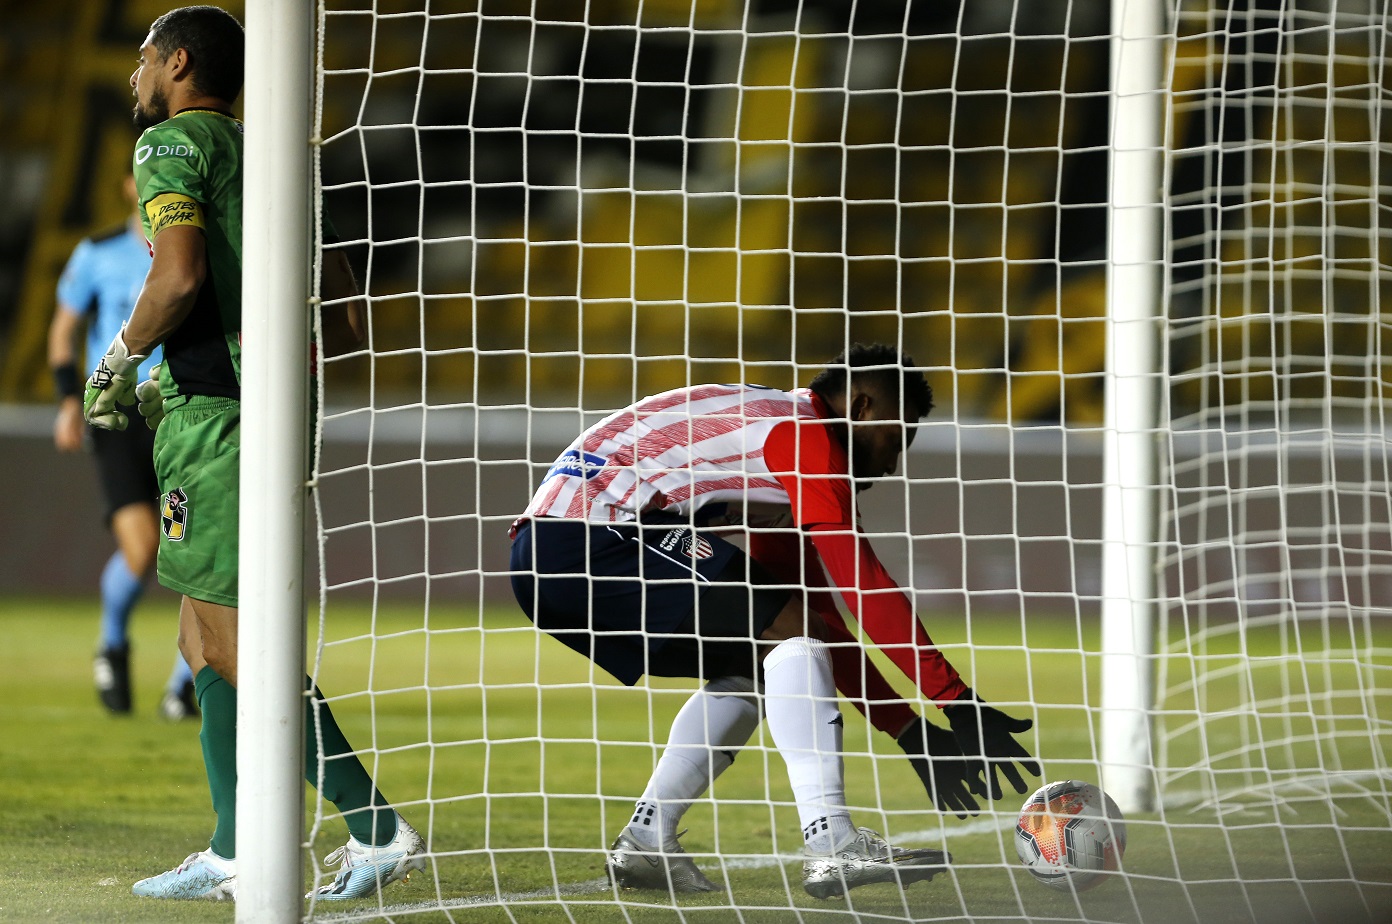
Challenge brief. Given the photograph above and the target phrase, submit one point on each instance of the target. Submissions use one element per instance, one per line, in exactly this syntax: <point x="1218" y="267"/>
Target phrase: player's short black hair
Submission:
<point x="215" y="42"/>
<point x="885" y="366"/>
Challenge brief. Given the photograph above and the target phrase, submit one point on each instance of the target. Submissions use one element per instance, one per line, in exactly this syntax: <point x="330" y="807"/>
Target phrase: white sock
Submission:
<point x="224" y="865"/>
<point x="805" y="721"/>
<point x="712" y="725"/>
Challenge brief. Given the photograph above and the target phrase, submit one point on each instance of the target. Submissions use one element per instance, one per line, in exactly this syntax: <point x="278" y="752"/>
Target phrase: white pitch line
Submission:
<point x="997" y="822"/>
<point x="473" y="901"/>
<point x="926" y="836"/>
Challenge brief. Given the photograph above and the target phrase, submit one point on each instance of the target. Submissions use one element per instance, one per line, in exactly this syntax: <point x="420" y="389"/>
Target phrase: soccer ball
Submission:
<point x="1070" y="834"/>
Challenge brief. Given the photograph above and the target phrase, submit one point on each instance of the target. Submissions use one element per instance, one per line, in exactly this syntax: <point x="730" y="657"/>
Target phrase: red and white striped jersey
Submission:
<point x="727" y="455"/>
<point x="691" y="451"/>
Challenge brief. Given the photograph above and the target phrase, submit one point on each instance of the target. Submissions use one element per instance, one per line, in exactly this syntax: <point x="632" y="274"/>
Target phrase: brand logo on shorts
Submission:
<point x="174" y="515"/>
<point x="692" y="545"/>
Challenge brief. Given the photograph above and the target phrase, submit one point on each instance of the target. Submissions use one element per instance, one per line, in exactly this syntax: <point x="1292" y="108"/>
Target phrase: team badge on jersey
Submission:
<point x="174" y="515"/>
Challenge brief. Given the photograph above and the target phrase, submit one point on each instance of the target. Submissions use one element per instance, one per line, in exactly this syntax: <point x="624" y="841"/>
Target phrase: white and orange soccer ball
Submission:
<point x="1070" y="835"/>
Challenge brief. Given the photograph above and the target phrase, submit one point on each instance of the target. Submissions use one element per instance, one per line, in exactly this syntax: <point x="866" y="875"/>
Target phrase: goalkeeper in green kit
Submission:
<point x="188" y="170"/>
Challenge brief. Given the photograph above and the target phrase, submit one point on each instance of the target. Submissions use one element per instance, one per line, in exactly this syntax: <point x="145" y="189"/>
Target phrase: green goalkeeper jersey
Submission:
<point x="188" y="170"/>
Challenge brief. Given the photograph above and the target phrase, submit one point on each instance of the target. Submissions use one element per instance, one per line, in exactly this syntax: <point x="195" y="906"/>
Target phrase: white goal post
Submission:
<point x="1142" y="257"/>
<point x="1129" y="533"/>
<point x="274" y="456"/>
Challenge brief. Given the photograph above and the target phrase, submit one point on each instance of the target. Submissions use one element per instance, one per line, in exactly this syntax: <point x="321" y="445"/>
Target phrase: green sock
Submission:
<point x="347" y="783"/>
<point x="217" y="700"/>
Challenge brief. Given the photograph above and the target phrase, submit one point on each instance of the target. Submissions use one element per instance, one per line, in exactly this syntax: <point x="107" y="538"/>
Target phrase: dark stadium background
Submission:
<point x="952" y="192"/>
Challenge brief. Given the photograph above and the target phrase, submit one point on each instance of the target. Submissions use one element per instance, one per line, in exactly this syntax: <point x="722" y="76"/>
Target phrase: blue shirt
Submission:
<point x="101" y="282"/>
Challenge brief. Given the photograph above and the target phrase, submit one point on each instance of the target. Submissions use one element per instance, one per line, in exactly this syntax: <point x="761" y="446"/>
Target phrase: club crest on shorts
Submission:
<point x="696" y="547"/>
<point x="174" y="515"/>
<point x="692" y="545"/>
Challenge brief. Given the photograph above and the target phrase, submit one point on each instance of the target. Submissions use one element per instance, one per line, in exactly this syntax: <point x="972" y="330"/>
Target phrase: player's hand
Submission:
<point x="984" y="734"/>
<point x="149" y="399"/>
<point x="112" y="383"/>
<point x="68" y="426"/>
<point x="938" y="760"/>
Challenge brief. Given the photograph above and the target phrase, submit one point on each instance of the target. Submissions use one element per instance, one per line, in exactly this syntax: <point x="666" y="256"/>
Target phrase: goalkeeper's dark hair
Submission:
<point x="215" y="43"/>
<point x="882" y="365"/>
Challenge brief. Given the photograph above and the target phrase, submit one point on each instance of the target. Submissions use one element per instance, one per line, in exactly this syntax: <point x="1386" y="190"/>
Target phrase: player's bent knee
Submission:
<point x="190" y="638"/>
<point x="222" y="660"/>
<point x="795" y="620"/>
<point x="191" y="650"/>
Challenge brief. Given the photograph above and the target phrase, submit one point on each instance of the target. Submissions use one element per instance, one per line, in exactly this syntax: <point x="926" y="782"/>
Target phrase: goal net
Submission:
<point x="1277" y="561"/>
<point x="555" y="209"/>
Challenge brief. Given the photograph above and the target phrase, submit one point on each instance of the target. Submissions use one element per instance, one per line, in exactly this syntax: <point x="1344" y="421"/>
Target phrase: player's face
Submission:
<point x="147" y="85"/>
<point x="879" y="436"/>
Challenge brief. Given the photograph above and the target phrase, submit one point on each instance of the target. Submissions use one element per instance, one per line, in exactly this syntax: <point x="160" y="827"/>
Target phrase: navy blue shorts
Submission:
<point x="659" y="598"/>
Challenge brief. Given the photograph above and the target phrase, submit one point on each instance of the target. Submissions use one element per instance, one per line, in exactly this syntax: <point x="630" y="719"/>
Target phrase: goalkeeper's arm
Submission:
<point x="171" y="287"/>
<point x="176" y="274"/>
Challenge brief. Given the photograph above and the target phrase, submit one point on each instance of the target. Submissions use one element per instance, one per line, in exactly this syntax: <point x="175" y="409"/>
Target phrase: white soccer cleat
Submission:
<point x="366" y="869"/>
<point x="864" y="858"/>
<point x="203" y="875"/>
<point x="629" y="866"/>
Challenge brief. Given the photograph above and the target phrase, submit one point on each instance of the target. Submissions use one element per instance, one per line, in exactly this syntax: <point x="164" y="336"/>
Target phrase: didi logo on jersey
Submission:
<point x="146" y="151"/>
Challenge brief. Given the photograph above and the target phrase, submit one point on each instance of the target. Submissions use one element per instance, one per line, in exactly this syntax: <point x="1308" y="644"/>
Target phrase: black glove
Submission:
<point x="984" y="734"/>
<point x="946" y="774"/>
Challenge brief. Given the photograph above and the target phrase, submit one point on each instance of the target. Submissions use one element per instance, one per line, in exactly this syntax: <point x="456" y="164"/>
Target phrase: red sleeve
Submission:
<point x="884" y="611"/>
<point x="811" y="466"/>
<point x="861" y="682"/>
<point x="857" y="677"/>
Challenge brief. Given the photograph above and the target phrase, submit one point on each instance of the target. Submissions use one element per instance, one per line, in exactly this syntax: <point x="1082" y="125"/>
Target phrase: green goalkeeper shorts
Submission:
<point x="197" y="457"/>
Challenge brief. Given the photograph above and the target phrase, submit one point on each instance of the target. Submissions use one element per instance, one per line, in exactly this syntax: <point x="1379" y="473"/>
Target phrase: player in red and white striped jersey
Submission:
<point x="683" y="451"/>
<point x="619" y="556"/>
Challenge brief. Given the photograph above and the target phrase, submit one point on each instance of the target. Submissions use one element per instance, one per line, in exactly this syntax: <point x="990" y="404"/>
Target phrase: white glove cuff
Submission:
<point x="118" y="356"/>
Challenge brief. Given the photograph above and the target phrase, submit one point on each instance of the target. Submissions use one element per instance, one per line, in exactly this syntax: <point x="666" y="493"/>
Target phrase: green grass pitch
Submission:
<point x="518" y="800"/>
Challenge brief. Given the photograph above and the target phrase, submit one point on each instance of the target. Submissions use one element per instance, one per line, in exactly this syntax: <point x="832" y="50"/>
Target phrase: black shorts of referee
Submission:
<point x="657" y="598"/>
<point x="126" y="464"/>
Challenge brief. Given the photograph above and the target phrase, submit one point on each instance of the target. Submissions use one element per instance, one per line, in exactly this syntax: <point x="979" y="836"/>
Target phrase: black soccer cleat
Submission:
<point x="111" y="673"/>
<point x="180" y="704"/>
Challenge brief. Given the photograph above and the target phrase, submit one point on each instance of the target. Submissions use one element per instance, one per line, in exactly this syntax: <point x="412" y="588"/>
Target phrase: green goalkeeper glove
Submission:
<point x="112" y="383"/>
<point x="149" y="399"/>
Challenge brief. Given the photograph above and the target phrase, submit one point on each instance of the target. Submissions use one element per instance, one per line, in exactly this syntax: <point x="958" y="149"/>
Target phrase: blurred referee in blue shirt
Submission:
<point x="96" y="294"/>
